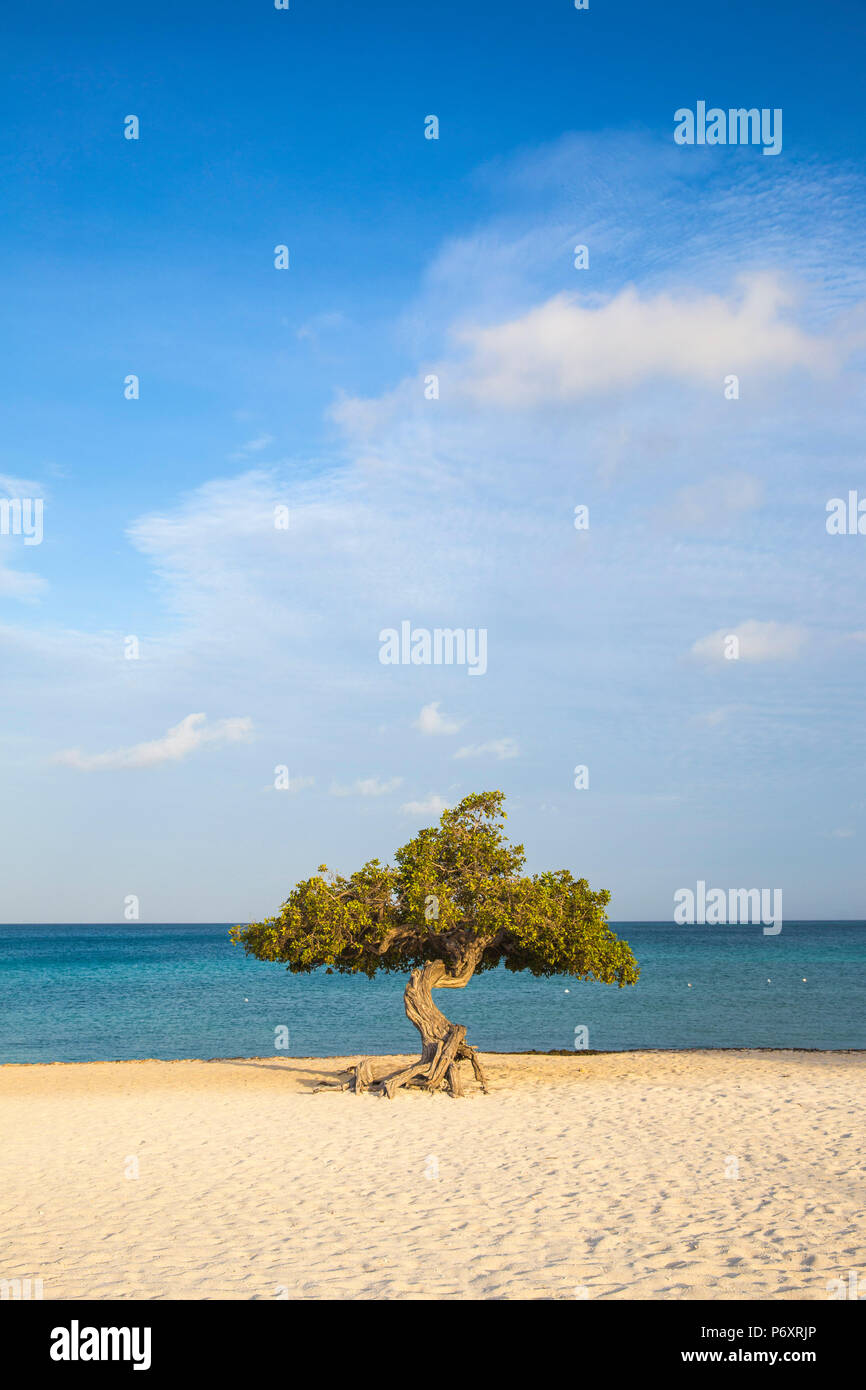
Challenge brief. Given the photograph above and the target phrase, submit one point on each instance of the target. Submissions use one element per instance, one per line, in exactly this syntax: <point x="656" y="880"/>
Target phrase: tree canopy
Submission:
<point x="456" y="894"/>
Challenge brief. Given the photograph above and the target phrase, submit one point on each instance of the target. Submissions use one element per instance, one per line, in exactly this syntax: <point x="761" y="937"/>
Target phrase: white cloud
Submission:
<point x="563" y="350"/>
<point x="497" y="748"/>
<point x="19" y="584"/>
<point x="191" y="733"/>
<point x="296" y="784"/>
<point x="757" y="641"/>
<point x="252" y="446"/>
<point x="367" y="786"/>
<point x="430" y="721"/>
<point x="13" y="486"/>
<point x="432" y="806"/>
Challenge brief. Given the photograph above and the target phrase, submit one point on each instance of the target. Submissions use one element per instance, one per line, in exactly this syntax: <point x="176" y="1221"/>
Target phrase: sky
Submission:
<point x="195" y="712"/>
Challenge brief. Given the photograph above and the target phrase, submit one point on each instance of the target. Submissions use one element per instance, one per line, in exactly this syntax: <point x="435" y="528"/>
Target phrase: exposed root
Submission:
<point x="444" y="1044"/>
<point x="441" y="1072"/>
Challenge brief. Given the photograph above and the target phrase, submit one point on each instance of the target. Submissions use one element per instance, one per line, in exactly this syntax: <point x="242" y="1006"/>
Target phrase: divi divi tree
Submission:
<point x="454" y="903"/>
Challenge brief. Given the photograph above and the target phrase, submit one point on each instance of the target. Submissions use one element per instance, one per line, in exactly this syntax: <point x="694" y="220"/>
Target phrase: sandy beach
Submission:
<point x="645" y="1175"/>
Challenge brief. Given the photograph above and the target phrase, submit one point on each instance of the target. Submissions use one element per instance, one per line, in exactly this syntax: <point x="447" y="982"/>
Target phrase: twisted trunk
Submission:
<point x="443" y="1043"/>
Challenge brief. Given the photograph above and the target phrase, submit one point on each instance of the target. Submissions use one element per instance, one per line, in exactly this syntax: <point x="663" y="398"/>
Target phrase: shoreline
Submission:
<point x="485" y="1052"/>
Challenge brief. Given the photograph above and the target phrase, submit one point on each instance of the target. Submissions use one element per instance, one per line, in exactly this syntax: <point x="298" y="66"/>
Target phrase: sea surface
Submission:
<point x="98" y="993"/>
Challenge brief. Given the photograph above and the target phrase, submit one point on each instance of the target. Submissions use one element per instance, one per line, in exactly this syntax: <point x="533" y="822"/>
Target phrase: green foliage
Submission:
<point x="456" y="893"/>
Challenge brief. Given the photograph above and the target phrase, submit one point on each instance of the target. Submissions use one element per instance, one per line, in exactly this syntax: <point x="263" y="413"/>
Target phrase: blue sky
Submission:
<point x="558" y="387"/>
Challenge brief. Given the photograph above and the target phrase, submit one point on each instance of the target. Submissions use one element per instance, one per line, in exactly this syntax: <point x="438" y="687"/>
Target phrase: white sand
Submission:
<point x="607" y="1174"/>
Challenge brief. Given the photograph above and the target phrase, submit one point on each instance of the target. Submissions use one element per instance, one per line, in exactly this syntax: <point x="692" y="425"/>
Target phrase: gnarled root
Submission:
<point x="444" y="1044"/>
<point x="441" y="1072"/>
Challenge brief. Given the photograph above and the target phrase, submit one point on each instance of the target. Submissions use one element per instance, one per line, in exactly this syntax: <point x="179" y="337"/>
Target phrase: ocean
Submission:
<point x="99" y="993"/>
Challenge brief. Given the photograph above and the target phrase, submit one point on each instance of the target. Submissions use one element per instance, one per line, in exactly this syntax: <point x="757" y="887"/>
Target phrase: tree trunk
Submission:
<point x="443" y="1044"/>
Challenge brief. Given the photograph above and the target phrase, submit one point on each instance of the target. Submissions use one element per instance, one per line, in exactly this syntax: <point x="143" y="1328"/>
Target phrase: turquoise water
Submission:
<point x="86" y="993"/>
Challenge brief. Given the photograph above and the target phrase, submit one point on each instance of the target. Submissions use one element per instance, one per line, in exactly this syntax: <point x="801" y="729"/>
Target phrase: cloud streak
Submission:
<point x="431" y="806"/>
<point x="191" y="734"/>
<point x="752" y="641"/>
<point x="367" y="786"/>
<point x="500" y="748"/>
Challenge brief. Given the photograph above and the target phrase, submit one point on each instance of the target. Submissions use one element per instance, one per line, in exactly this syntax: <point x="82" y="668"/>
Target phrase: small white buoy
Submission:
<point x="804" y="979"/>
<point x="568" y="991"/>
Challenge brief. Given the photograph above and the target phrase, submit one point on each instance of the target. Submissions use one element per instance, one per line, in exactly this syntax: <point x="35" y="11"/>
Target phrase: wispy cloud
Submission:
<point x="430" y="721"/>
<point x="23" y="585"/>
<point x="500" y="748"/>
<point x="252" y="446"/>
<point x="178" y="743"/>
<point x="432" y="805"/>
<point x="367" y="786"/>
<point x="11" y="486"/>
<point x="295" y="784"/>
<point x="754" y="641"/>
<point x="20" y="584"/>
